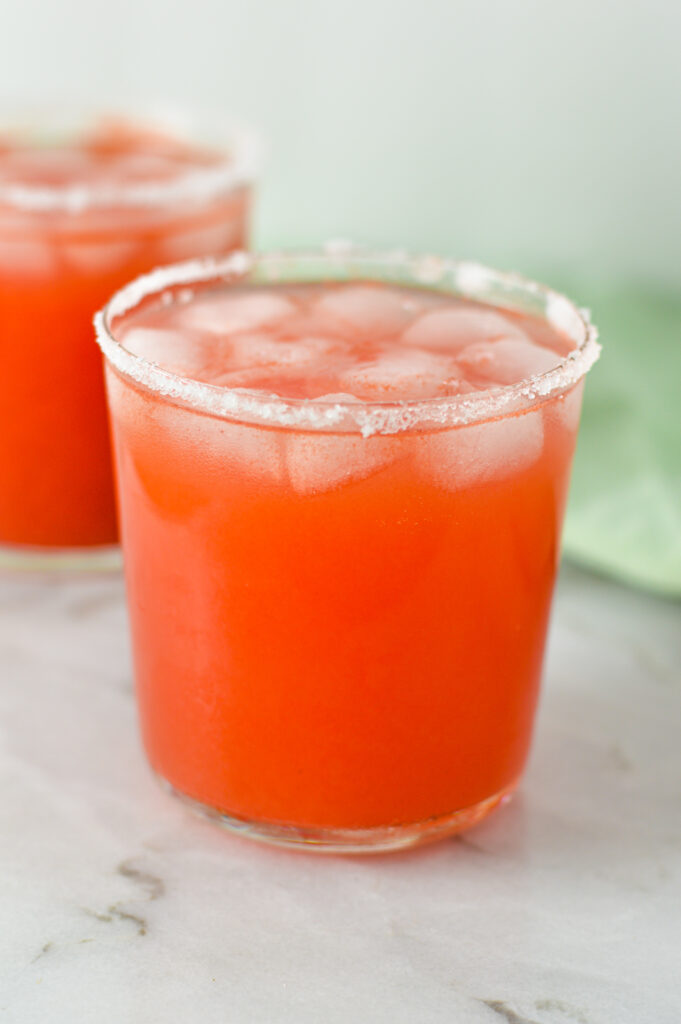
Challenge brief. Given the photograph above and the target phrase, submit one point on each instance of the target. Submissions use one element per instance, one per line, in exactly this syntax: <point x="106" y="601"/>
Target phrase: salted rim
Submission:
<point x="240" y="144"/>
<point x="471" y="280"/>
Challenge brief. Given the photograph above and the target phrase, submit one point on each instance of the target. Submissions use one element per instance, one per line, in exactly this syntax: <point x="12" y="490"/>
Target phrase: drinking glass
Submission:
<point x="89" y="200"/>
<point x="338" y="607"/>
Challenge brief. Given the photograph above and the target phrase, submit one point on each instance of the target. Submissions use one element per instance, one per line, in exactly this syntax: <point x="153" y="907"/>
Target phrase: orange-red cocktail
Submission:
<point x="341" y="495"/>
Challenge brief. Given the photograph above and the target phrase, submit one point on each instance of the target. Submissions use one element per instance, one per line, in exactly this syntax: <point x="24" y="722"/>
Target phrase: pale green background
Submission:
<point x="523" y="133"/>
<point x="535" y="135"/>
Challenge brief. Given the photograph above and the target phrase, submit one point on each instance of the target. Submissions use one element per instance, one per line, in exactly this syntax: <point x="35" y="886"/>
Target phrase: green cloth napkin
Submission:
<point x="624" y="514"/>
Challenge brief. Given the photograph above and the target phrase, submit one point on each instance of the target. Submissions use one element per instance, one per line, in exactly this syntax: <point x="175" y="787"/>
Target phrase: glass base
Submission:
<point x="382" y="839"/>
<point x="25" y="558"/>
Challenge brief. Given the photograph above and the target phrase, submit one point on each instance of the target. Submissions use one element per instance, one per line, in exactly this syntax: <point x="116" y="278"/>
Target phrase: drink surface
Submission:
<point x="113" y="153"/>
<point x="58" y="264"/>
<point x="333" y="630"/>
<point x="361" y="341"/>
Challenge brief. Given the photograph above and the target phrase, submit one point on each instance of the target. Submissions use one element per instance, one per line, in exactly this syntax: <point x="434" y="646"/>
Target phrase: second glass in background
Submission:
<point x="87" y="202"/>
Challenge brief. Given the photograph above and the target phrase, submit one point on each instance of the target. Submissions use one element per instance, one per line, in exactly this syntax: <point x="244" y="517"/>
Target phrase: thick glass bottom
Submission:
<point x="381" y="839"/>
<point x="25" y="558"/>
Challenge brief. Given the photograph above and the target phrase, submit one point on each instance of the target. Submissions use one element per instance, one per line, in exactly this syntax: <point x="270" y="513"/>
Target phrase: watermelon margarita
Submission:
<point x="86" y="204"/>
<point x="341" y="483"/>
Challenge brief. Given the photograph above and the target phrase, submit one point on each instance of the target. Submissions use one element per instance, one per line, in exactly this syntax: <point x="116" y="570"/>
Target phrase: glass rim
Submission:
<point x="466" y="279"/>
<point x="238" y="143"/>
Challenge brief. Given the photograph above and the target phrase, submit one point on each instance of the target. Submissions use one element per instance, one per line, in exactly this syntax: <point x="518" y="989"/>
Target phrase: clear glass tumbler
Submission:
<point x="339" y="607"/>
<point x="87" y="202"/>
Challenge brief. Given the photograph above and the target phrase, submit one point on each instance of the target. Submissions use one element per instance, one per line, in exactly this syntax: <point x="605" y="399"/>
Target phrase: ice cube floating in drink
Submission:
<point x="88" y="201"/>
<point x="342" y="479"/>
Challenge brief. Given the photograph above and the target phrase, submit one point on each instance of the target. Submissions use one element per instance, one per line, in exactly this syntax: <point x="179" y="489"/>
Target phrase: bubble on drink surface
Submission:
<point x="317" y="463"/>
<point x="232" y="313"/>
<point x="401" y="374"/>
<point x="451" y="330"/>
<point x="27" y="258"/>
<point x="508" y="361"/>
<point x="371" y="308"/>
<point x="99" y="256"/>
<point x="469" y="455"/>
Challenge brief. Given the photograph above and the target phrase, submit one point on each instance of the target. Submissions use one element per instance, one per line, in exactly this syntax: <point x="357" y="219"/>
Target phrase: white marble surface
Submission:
<point x="117" y="906"/>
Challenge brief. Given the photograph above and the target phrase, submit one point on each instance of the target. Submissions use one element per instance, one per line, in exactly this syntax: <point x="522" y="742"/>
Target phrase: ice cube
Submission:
<point x="99" y="257"/>
<point x="254" y="450"/>
<point x="140" y="167"/>
<point x="121" y="398"/>
<point x="208" y="447"/>
<point x="251" y="379"/>
<point x="318" y="462"/>
<point x="371" y="308"/>
<point x="401" y="374"/>
<point x="45" y="165"/>
<point x="339" y="398"/>
<point x="304" y="324"/>
<point x="468" y="455"/>
<point x="26" y="259"/>
<point x="228" y="314"/>
<point x="184" y="461"/>
<point x="549" y="337"/>
<point x="181" y="352"/>
<point x="565" y="409"/>
<point x="260" y="349"/>
<point x="451" y="330"/>
<point x="508" y="361"/>
<point x="205" y="241"/>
